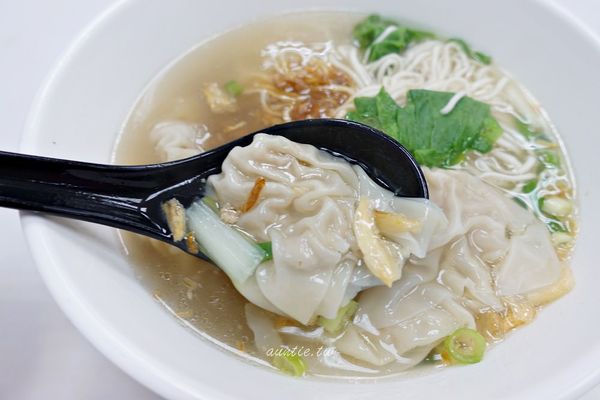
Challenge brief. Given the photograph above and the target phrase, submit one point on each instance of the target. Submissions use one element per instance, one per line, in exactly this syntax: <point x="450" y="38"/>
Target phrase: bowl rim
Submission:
<point x="83" y="317"/>
<point x="76" y="312"/>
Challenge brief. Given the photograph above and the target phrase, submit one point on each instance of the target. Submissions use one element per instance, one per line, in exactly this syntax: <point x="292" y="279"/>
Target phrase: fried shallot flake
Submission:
<point x="191" y="243"/>
<point x="175" y="216"/>
<point x="316" y="88"/>
<point x="259" y="184"/>
<point x="302" y="83"/>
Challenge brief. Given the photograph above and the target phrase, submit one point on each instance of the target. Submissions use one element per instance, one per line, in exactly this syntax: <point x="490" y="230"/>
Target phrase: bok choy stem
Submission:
<point x="236" y="255"/>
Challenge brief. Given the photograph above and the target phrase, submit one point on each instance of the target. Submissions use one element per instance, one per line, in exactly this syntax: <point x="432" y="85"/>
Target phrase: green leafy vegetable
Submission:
<point x="290" y="363"/>
<point x="368" y="35"/>
<point x="369" y="29"/>
<point x="234" y="88"/>
<point x="344" y="314"/>
<point x="380" y="36"/>
<point x="475" y="55"/>
<point x="435" y="139"/>
<point x="465" y="346"/>
<point x="268" y="249"/>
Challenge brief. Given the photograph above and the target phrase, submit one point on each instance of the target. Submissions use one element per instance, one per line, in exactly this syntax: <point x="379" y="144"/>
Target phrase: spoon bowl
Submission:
<point x="131" y="197"/>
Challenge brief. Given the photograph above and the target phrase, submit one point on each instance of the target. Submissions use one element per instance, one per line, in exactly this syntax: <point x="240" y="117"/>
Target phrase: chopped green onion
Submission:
<point x="268" y="248"/>
<point x="525" y="129"/>
<point x="212" y="203"/>
<point x="465" y="346"/>
<point x="234" y="88"/>
<point x="290" y="363"/>
<point x="231" y="251"/>
<point x="520" y="202"/>
<point x="556" y="206"/>
<point x="549" y="158"/>
<point x="540" y="203"/>
<point x="344" y="314"/>
<point x="556" y="226"/>
<point x="529" y="186"/>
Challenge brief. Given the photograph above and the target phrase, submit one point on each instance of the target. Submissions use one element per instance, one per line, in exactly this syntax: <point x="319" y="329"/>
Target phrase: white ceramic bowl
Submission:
<point x="86" y="100"/>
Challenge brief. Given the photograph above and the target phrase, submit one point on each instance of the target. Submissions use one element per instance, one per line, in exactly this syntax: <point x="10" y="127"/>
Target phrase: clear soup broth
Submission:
<point x="309" y="65"/>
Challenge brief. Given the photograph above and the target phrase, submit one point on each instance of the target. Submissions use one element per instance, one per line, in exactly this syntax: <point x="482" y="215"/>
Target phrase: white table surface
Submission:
<point x="42" y="356"/>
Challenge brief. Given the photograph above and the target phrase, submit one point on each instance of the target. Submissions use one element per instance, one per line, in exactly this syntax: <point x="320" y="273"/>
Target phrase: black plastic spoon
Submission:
<point x="130" y="197"/>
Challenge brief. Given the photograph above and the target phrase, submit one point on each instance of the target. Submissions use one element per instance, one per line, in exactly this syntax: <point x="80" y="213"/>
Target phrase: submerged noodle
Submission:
<point x="434" y="65"/>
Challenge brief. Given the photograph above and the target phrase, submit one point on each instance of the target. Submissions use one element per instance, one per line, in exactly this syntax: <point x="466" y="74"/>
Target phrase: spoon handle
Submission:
<point x="105" y="194"/>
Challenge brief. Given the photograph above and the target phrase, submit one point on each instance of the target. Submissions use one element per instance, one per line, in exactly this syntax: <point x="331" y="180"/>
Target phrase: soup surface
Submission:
<point x="314" y="65"/>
